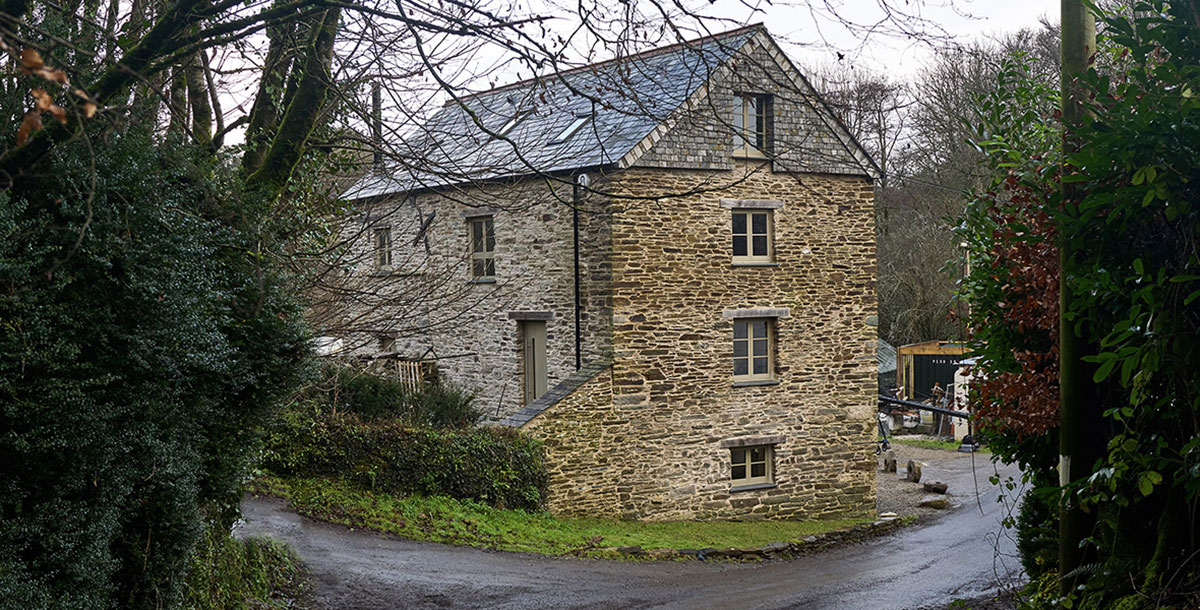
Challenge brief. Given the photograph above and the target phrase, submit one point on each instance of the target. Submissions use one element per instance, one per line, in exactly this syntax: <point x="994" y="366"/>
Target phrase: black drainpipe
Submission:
<point x="578" y="304"/>
<point x="376" y="126"/>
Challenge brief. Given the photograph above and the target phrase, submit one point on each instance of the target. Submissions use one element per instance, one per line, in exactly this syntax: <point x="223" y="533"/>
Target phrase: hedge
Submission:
<point x="252" y="573"/>
<point x="372" y="396"/>
<point x="497" y="466"/>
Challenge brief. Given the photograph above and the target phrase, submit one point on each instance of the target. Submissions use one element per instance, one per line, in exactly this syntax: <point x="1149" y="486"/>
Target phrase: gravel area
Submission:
<point x="895" y="495"/>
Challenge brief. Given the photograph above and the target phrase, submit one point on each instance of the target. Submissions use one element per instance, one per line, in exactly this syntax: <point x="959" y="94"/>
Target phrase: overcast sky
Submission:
<point x="811" y="32"/>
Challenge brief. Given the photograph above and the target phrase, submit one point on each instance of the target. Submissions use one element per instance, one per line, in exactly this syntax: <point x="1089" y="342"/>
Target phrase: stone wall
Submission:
<point x="428" y="300"/>
<point x="655" y="451"/>
<point x="584" y="438"/>
<point x="802" y="132"/>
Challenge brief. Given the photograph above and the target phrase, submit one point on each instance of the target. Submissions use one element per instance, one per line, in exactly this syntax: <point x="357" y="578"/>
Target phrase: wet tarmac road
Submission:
<point x="962" y="554"/>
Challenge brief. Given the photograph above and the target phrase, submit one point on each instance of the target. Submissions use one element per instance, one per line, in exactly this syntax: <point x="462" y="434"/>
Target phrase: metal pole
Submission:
<point x="578" y="301"/>
<point x="377" y="125"/>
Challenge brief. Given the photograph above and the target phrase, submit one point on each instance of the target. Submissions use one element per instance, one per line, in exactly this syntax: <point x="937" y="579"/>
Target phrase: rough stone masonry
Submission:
<point x="650" y="426"/>
<point x="644" y="438"/>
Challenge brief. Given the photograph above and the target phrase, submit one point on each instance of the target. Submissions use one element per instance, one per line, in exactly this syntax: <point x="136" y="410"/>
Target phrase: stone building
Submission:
<point x="662" y="265"/>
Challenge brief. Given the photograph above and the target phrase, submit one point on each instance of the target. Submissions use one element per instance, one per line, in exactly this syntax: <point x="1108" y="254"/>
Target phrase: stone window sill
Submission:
<point x="755" y="383"/>
<point x="752" y="264"/>
<point x="482" y="280"/>
<point x="754" y="487"/>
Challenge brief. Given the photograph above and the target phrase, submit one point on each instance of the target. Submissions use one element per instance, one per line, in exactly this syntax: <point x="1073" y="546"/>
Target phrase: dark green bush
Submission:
<point x="498" y="466"/>
<point x="372" y="396"/>
<point x="141" y="344"/>
<point x="346" y="388"/>
<point x="442" y="405"/>
<point x="1037" y="532"/>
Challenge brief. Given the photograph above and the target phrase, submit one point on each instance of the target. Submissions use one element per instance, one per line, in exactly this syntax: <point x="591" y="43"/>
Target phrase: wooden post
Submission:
<point x="1078" y="410"/>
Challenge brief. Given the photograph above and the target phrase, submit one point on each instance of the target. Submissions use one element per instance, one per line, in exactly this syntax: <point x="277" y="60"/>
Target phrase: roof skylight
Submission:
<point x="564" y="135"/>
<point x="507" y="127"/>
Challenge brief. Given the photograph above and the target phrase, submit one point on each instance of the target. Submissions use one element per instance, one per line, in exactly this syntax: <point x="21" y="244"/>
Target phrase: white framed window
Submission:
<point x="752" y="236"/>
<point x="750" y="125"/>
<point x="752" y="465"/>
<point x="753" y="349"/>
<point x="565" y="134"/>
<point x="386" y="344"/>
<point x="483" y="248"/>
<point x="383" y="248"/>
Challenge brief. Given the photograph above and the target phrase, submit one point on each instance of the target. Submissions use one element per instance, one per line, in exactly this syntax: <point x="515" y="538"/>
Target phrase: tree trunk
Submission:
<point x="303" y="110"/>
<point x="264" y="116"/>
<point x="177" y="100"/>
<point x="197" y="96"/>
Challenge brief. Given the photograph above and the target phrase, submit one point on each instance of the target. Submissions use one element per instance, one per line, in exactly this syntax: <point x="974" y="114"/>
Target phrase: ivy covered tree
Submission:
<point x="1133" y="276"/>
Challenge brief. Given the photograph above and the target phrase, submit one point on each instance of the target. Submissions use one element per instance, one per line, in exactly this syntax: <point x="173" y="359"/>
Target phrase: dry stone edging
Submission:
<point x="914" y="471"/>
<point x="889" y="461"/>
<point x="935" y="502"/>
<point x="774" y="550"/>
<point x="936" y="487"/>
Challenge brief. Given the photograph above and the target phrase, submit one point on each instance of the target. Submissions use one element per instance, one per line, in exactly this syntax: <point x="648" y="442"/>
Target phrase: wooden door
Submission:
<point x="534" y="358"/>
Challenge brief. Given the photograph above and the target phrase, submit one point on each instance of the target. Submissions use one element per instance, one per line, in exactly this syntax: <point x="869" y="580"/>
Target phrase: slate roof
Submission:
<point x="628" y="97"/>
<point x="557" y="393"/>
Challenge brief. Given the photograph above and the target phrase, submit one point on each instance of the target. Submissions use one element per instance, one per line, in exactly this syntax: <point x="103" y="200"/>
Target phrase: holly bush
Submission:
<point x="143" y="337"/>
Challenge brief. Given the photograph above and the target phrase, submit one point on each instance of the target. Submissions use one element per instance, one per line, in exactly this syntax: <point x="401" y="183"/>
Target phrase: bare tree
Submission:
<point x="872" y="106"/>
<point x="289" y="81"/>
<point x="923" y="139"/>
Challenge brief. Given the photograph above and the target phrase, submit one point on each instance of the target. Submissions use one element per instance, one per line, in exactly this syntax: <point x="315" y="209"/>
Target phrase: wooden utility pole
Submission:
<point x="1077" y="434"/>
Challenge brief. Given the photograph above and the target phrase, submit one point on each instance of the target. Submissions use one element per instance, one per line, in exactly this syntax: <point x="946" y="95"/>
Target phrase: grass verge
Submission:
<point x="252" y="573"/>
<point x="465" y="522"/>
<point x="932" y="444"/>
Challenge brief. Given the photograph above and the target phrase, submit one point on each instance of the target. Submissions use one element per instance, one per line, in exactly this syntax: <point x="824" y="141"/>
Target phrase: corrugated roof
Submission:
<point x="624" y="99"/>
<point x="885" y="354"/>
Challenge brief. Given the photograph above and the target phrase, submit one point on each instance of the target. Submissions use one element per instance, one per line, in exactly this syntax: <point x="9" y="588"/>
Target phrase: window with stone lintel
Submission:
<point x="752" y="465"/>
<point x="483" y="248"/>
<point x="752" y="236"/>
<point x="752" y="349"/>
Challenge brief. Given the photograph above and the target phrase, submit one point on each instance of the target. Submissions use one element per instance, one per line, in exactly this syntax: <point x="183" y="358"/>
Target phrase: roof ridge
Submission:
<point x="594" y="66"/>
